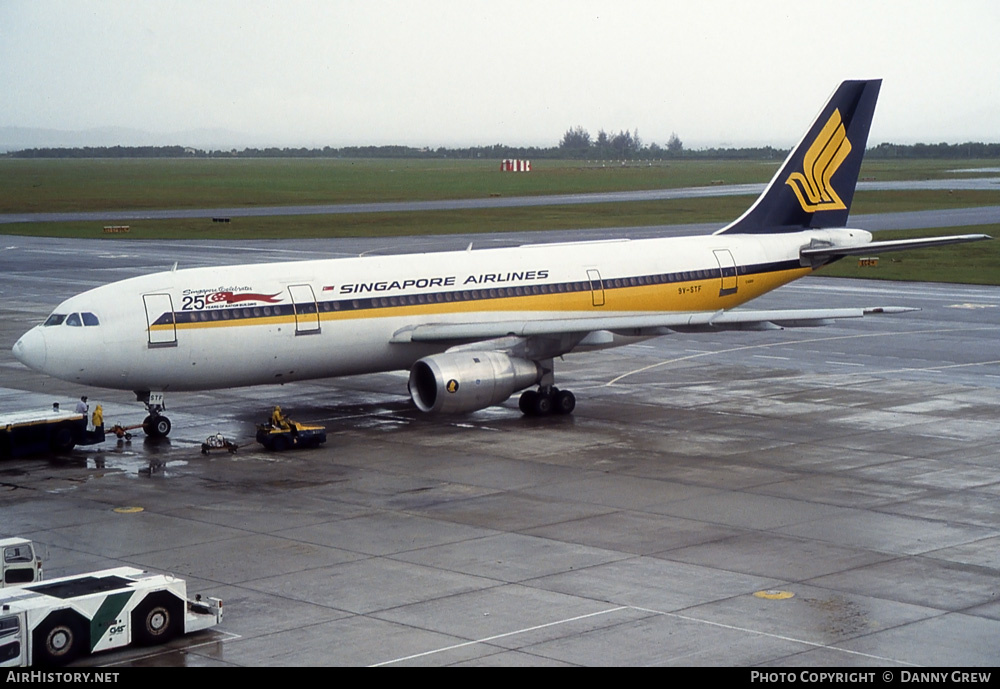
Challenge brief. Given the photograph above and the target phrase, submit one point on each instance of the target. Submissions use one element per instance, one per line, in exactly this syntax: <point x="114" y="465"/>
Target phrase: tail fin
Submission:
<point x="815" y="186"/>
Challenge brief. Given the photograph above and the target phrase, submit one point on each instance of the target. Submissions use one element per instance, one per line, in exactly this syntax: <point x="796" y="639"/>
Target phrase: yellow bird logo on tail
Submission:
<point x="820" y="162"/>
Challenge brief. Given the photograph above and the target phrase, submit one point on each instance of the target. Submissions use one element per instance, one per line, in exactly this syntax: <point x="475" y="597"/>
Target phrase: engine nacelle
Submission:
<point x="458" y="382"/>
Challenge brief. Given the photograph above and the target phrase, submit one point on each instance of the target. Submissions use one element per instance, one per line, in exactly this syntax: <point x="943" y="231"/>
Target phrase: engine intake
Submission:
<point x="459" y="382"/>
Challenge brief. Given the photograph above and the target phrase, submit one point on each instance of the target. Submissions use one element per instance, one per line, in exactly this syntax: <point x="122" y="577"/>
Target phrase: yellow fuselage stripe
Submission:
<point x="696" y="295"/>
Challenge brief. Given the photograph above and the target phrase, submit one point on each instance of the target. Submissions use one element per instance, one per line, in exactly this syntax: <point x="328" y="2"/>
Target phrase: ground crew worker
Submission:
<point x="97" y="435"/>
<point x="82" y="407"/>
<point x="279" y="420"/>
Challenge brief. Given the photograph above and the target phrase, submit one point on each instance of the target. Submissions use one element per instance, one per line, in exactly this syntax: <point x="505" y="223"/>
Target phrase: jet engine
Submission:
<point x="458" y="382"/>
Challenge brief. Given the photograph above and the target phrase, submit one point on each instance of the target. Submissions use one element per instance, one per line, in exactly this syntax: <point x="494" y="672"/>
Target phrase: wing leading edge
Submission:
<point x="638" y="325"/>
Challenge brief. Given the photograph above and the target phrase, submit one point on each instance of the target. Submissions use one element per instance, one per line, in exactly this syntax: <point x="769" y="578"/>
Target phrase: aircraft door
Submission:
<point x="160" y="320"/>
<point x="596" y="287"/>
<point x="727" y="271"/>
<point x="306" y="309"/>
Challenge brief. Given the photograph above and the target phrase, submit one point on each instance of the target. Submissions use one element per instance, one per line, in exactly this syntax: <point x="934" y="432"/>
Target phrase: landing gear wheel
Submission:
<point x="535" y="403"/>
<point x="564" y="402"/>
<point x="156" y="426"/>
<point x="553" y="401"/>
<point x="526" y="403"/>
<point x="543" y="404"/>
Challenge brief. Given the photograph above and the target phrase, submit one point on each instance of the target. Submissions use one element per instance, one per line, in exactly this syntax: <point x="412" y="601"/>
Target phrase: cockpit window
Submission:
<point x="74" y="319"/>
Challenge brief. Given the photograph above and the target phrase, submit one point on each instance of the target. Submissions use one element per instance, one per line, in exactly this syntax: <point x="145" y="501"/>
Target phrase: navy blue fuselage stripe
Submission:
<point x="237" y="313"/>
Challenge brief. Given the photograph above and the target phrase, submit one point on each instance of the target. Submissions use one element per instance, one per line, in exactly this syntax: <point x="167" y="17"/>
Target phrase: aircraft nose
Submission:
<point x="30" y="349"/>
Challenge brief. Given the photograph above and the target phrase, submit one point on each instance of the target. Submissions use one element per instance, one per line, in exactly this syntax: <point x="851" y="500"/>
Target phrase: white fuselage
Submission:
<point x="272" y="323"/>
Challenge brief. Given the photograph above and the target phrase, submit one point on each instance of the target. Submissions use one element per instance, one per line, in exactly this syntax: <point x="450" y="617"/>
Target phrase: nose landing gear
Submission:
<point x="156" y="425"/>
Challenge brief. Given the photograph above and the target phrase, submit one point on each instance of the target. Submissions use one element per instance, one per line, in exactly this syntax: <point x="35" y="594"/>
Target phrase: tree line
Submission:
<point x="576" y="144"/>
<point x="969" y="149"/>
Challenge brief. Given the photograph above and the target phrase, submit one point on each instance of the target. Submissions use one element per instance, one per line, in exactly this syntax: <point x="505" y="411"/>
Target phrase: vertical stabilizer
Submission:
<point x="815" y="185"/>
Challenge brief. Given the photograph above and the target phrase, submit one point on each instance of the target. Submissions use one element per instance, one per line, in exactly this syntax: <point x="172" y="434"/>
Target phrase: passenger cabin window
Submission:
<point x="55" y="319"/>
<point x="73" y="319"/>
<point x="90" y="319"/>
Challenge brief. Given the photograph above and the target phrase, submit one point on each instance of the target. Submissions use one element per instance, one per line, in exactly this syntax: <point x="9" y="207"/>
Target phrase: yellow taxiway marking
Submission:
<point x="774" y="594"/>
<point x="128" y="510"/>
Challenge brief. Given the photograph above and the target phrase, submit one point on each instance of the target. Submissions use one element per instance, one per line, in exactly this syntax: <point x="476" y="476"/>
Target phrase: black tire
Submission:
<point x="526" y="403"/>
<point x="156" y="620"/>
<point x="280" y="444"/>
<point x="157" y="426"/>
<point x="564" y="402"/>
<point x="58" y="640"/>
<point x="543" y="405"/>
<point x="63" y="439"/>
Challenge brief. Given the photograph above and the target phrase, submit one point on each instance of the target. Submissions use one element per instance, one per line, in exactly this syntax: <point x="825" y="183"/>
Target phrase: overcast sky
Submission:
<point x="443" y="73"/>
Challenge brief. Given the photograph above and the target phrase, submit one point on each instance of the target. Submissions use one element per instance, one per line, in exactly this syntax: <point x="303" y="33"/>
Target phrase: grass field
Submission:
<point x="977" y="263"/>
<point x="31" y="186"/>
<point x="82" y="185"/>
<point x="97" y="185"/>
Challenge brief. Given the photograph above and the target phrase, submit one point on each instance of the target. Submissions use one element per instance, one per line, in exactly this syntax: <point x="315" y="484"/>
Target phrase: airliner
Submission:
<point x="472" y="327"/>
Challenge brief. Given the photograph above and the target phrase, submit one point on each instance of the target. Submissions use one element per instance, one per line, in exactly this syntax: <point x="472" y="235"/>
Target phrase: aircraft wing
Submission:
<point x="891" y="245"/>
<point x="638" y="325"/>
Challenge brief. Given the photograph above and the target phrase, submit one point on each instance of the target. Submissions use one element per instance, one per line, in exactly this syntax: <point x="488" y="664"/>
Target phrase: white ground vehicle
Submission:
<point x="20" y="562"/>
<point x="56" y="621"/>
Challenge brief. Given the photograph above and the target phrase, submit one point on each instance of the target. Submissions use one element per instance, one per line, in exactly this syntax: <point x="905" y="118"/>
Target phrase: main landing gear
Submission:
<point x="156" y="425"/>
<point x="546" y="400"/>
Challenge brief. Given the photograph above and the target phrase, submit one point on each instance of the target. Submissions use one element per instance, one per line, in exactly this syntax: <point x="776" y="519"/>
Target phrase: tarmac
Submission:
<point x="798" y="498"/>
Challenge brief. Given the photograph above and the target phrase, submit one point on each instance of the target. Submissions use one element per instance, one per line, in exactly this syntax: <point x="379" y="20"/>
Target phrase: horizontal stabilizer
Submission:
<point x="891" y="245"/>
